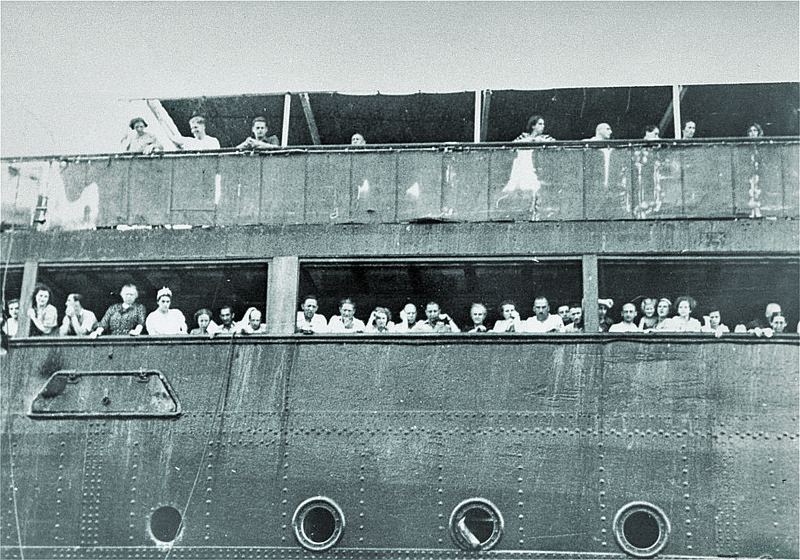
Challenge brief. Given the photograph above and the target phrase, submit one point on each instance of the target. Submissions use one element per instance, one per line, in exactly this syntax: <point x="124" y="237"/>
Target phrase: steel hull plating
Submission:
<point x="558" y="432"/>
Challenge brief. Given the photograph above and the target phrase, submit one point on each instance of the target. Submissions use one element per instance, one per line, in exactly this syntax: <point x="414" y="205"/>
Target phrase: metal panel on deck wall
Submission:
<point x="706" y="181"/>
<point x="240" y="189"/>
<point x="757" y="181"/>
<point x="328" y="188"/>
<point x="73" y="203"/>
<point x="656" y="183"/>
<point x="513" y="185"/>
<point x="150" y="191"/>
<point x="560" y="175"/>
<point x="465" y="193"/>
<point x="606" y="180"/>
<point x="373" y="187"/>
<point x="194" y="192"/>
<point x="283" y="181"/>
<point x="419" y="185"/>
<point x="111" y="177"/>
<point x="790" y="179"/>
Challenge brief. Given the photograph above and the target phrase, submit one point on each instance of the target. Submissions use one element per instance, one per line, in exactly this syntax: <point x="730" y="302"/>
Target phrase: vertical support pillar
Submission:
<point x="591" y="322"/>
<point x="477" y="128"/>
<point x="29" y="274"/>
<point x="282" y="287"/>
<point x="287" y="106"/>
<point x="676" y="109"/>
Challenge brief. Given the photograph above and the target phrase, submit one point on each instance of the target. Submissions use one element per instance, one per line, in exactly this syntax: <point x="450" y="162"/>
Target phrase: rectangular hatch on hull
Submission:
<point x="105" y="394"/>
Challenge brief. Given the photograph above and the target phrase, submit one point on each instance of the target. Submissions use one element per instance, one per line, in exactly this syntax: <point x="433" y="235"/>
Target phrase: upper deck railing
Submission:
<point x="614" y="180"/>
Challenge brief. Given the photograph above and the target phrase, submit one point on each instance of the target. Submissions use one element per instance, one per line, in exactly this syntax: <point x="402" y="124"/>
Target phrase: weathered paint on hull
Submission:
<point x="558" y="432"/>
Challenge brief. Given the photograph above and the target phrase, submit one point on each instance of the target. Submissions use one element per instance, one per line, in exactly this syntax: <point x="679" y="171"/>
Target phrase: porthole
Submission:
<point x="318" y="523"/>
<point x="641" y="529"/>
<point x="165" y="523"/>
<point x="476" y="524"/>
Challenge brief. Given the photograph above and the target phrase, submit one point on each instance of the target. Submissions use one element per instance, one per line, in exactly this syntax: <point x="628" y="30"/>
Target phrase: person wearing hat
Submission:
<point x="165" y="321"/>
<point x="139" y="140"/>
<point x="603" y="307"/>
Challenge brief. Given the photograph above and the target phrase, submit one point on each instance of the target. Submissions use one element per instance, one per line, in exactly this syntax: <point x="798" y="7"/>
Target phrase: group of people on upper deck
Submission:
<point x="657" y="315"/>
<point x="139" y="140"/>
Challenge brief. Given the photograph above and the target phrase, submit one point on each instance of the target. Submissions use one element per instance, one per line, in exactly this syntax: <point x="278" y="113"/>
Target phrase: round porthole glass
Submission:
<point x="318" y="523"/>
<point x="476" y="524"/>
<point x="641" y="529"/>
<point x="165" y="522"/>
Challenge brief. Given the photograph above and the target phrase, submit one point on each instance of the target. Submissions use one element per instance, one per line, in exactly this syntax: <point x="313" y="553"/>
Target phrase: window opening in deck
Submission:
<point x="738" y="288"/>
<point x="194" y="286"/>
<point x="455" y="286"/>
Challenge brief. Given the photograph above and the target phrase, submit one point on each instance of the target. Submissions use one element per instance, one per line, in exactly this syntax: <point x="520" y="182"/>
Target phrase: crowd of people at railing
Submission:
<point x="131" y="318"/>
<point x="139" y="140"/>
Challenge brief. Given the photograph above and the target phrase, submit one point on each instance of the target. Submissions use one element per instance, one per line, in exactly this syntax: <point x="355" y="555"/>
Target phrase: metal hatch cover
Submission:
<point x="106" y="394"/>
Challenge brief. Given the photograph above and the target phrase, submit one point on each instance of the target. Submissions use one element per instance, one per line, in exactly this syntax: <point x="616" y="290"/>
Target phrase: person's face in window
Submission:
<point x="538" y="128"/>
<point x="684" y="309"/>
<point x="602" y="311"/>
<point x="163" y="303"/>
<point x="411" y="313"/>
<point x="198" y="129"/>
<point x="310" y="308"/>
<point x="432" y="312"/>
<point x="260" y="130"/>
<point x="508" y="311"/>
<point x="563" y="312"/>
<point x="42" y="298"/>
<point x="714" y="319"/>
<point x="129" y="295"/>
<point x="13" y="310"/>
<point x="541" y="308"/>
<point x="478" y="314"/>
<point x="628" y="313"/>
<point x="778" y="323"/>
<point x="663" y="309"/>
<point x="255" y="320"/>
<point x="649" y="309"/>
<point x="203" y="321"/>
<point x="381" y="320"/>
<point x="226" y="316"/>
<point x="347" y="310"/>
<point x="576" y="313"/>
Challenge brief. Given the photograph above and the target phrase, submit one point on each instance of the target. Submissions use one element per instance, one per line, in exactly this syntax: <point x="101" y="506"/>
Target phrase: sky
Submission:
<point x="69" y="69"/>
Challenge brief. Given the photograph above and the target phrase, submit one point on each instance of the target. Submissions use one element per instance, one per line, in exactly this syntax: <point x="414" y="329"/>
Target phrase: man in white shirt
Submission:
<point x="346" y="322"/>
<point x="628" y="317"/>
<point x="436" y="321"/>
<point x="200" y="140"/>
<point x="408" y="318"/>
<point x="308" y="320"/>
<point x="542" y="321"/>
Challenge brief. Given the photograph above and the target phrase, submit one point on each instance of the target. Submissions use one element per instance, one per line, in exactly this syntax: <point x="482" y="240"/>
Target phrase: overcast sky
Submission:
<point x="68" y="67"/>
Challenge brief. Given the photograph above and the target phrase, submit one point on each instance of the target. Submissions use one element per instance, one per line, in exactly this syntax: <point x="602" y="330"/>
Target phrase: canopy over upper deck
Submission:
<point x="722" y="110"/>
